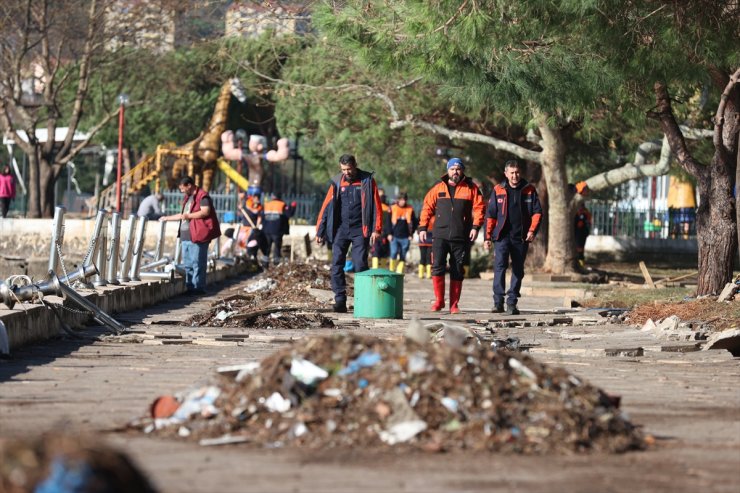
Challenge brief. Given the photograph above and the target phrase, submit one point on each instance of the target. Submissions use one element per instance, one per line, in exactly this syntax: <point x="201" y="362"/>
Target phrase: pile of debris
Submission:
<point x="278" y="298"/>
<point x="65" y="463"/>
<point x="360" y="391"/>
<point x="705" y="313"/>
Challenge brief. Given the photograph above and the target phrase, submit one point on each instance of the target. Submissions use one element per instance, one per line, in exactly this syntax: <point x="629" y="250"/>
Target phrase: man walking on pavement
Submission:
<point x="350" y="215"/>
<point x="455" y="204"/>
<point x="198" y="226"/>
<point x="276" y="214"/>
<point x="512" y="220"/>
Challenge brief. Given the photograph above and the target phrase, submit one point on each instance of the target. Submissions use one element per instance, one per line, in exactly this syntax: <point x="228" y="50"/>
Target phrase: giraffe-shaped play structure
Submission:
<point x="197" y="158"/>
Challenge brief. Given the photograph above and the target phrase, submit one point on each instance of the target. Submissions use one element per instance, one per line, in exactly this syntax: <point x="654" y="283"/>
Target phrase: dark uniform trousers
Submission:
<point x="343" y="239"/>
<point x="504" y="248"/>
<point x="457" y="250"/>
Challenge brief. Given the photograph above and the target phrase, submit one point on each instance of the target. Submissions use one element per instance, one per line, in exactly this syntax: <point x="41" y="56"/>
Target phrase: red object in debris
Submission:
<point x="614" y="400"/>
<point x="164" y="406"/>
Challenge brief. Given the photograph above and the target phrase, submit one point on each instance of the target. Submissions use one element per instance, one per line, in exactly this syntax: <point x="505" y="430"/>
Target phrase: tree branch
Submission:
<point x="91" y="133"/>
<point x="719" y="117"/>
<point x="502" y="145"/>
<point x="640" y="168"/>
<point x="84" y="78"/>
<point x="664" y="114"/>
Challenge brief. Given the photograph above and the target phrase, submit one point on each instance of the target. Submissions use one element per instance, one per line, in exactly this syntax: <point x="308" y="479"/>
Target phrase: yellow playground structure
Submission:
<point x="199" y="158"/>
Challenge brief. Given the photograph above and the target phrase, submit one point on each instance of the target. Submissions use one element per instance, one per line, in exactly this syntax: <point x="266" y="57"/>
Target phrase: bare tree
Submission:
<point x="48" y="51"/>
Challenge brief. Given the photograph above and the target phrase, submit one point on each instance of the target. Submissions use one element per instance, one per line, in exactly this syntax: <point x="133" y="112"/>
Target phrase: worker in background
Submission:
<point x="152" y="207"/>
<point x="582" y="225"/>
<point x="425" y="252"/>
<point x="250" y="208"/>
<point x="381" y="249"/>
<point x="275" y="224"/>
<point x="458" y="206"/>
<point x="402" y="222"/>
<point x="350" y="215"/>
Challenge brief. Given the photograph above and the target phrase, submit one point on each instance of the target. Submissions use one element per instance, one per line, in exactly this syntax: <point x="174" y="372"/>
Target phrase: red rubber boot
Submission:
<point x="455" y="291"/>
<point x="439" y="293"/>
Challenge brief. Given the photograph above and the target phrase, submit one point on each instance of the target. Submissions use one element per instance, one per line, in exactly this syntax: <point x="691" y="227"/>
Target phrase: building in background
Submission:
<point x="251" y="19"/>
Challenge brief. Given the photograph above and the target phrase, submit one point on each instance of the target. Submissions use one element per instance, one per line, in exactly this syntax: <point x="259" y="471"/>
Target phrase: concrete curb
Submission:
<point x="37" y="323"/>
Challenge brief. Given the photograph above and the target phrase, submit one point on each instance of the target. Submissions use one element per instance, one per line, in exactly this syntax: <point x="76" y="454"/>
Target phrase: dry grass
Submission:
<point x="722" y="315"/>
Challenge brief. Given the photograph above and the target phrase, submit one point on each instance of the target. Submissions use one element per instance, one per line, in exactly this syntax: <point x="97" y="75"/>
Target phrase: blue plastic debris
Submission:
<point x="365" y="360"/>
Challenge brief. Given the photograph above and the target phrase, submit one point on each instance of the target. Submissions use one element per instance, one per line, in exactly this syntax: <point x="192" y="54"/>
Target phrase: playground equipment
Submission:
<point x="199" y="157"/>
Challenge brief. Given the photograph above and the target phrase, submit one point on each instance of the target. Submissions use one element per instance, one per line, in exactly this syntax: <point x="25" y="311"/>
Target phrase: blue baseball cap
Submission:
<point x="455" y="161"/>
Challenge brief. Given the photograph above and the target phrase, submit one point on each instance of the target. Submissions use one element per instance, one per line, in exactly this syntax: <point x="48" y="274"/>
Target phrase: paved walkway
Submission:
<point x="688" y="401"/>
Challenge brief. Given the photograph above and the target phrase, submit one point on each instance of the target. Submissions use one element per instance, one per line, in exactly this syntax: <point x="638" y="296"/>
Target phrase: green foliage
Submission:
<point x="512" y="56"/>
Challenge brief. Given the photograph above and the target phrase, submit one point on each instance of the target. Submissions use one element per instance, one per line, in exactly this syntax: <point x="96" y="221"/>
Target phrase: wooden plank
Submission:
<point x="677" y="278"/>
<point x="646" y="275"/>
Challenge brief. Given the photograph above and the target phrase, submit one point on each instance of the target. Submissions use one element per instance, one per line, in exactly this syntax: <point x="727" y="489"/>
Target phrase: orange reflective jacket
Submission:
<point x="453" y="216"/>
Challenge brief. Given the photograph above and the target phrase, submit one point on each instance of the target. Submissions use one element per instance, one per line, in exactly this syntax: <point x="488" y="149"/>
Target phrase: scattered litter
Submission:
<point x="261" y="285"/>
<point x="306" y="372"/>
<point x="223" y="440"/>
<point x="223" y="315"/>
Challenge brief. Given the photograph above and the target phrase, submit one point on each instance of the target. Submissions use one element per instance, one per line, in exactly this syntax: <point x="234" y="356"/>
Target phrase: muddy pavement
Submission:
<point x="688" y="402"/>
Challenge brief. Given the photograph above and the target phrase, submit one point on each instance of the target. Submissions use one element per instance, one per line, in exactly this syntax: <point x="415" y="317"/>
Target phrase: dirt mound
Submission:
<point x="64" y="464"/>
<point x="368" y="392"/>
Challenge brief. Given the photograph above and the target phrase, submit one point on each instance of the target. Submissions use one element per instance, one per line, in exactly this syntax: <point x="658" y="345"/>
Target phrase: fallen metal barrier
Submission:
<point x="153" y="265"/>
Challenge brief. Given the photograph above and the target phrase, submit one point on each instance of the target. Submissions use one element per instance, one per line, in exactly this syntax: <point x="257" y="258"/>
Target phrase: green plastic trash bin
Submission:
<point x="378" y="294"/>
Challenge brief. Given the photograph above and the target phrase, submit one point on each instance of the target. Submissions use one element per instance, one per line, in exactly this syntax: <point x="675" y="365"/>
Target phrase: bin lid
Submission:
<point x="378" y="273"/>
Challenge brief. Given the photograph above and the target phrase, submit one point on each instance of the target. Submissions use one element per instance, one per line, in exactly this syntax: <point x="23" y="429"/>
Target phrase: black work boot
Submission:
<point x="340" y="307"/>
<point x="498" y="308"/>
<point x="512" y="310"/>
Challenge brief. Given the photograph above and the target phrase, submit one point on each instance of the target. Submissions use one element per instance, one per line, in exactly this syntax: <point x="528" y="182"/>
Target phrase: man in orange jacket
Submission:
<point x="455" y="204"/>
<point x="512" y="220"/>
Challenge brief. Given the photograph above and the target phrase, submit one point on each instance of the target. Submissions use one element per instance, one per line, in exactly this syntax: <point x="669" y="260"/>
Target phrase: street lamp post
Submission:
<point x="122" y="102"/>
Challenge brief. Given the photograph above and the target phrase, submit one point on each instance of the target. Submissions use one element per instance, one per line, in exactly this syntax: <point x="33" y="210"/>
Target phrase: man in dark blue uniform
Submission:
<point x="512" y="220"/>
<point x="350" y="215"/>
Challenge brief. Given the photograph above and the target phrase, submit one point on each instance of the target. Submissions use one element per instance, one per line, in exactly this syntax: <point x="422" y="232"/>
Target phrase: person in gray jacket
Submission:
<point x="152" y="207"/>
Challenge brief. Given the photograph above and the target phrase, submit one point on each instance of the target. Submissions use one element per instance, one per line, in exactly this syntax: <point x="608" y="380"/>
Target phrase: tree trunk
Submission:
<point x="737" y="204"/>
<point x="47" y="180"/>
<point x="716" y="226"/>
<point x="561" y="240"/>
<point x="34" y="194"/>
<point x="716" y="235"/>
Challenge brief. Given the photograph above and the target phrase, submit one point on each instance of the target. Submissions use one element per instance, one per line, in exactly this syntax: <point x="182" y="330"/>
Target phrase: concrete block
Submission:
<point x="649" y="326"/>
<point x="625" y="352"/>
<point x="728" y="292"/>
<point x="727" y="339"/>
<point x="670" y="323"/>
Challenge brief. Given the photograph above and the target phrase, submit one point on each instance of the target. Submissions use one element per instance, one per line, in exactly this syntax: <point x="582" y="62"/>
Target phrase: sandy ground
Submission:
<point x="688" y="401"/>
